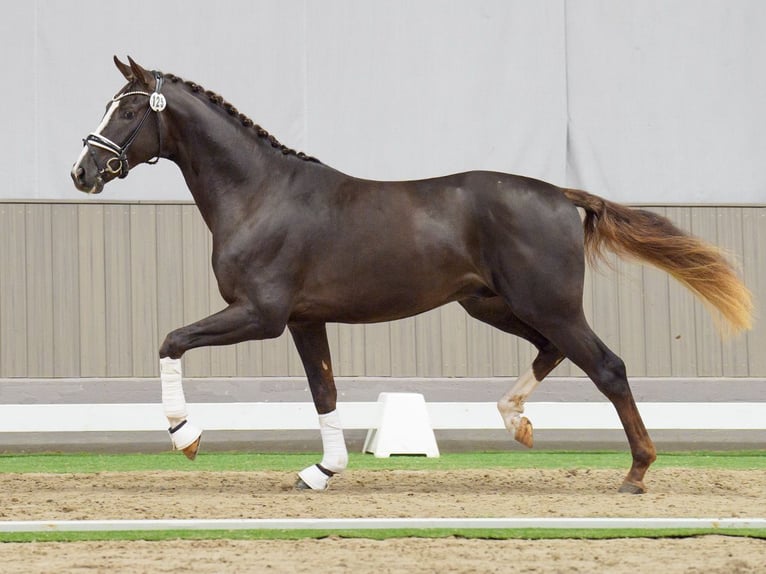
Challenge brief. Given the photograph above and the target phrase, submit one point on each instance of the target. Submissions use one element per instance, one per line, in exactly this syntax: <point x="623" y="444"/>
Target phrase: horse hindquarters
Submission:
<point x="537" y="267"/>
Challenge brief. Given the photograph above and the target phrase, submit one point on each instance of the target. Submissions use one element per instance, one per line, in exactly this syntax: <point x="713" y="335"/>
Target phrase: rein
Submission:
<point x="118" y="165"/>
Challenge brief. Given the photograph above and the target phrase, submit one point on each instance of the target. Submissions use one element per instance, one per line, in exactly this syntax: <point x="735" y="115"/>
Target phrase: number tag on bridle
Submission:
<point x="157" y="102"/>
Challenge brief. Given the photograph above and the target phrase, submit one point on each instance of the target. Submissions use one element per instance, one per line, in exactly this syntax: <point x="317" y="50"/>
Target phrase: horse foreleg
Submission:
<point x="311" y="342"/>
<point x="184" y="435"/>
<point x="234" y="324"/>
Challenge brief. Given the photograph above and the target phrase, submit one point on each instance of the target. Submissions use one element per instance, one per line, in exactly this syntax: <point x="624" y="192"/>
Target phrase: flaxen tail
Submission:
<point x="653" y="239"/>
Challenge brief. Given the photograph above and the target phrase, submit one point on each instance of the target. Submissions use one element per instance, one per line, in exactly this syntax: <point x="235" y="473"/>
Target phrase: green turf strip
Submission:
<point x="88" y="462"/>
<point x="478" y="533"/>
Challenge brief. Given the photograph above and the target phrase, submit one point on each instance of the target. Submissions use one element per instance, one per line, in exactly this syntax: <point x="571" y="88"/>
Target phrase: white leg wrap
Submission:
<point x="173" y="399"/>
<point x="335" y="455"/>
<point x="182" y="433"/>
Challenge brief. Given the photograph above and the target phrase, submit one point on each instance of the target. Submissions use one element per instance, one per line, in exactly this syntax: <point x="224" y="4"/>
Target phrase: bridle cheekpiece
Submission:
<point x="118" y="165"/>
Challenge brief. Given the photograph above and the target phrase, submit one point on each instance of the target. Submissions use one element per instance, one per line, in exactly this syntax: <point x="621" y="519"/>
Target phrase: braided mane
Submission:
<point x="247" y="122"/>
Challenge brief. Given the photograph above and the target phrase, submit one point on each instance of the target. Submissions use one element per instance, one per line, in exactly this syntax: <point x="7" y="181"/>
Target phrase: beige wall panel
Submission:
<point x="170" y="271"/>
<point x="117" y="285"/>
<point x="39" y="282"/>
<point x="196" y="263"/>
<point x="350" y="359"/>
<point x="479" y="342"/>
<point x="377" y="349"/>
<point x="453" y="335"/>
<point x="92" y="303"/>
<point x="504" y="350"/>
<point x="65" y="256"/>
<point x="428" y="344"/>
<point x="143" y="263"/>
<point x="403" y="353"/>
<point x="13" y="292"/>
<point x="754" y="263"/>
<point x="276" y="355"/>
<point x="630" y="303"/>
<point x="657" y="322"/>
<point x="249" y="359"/>
<point x="606" y="299"/>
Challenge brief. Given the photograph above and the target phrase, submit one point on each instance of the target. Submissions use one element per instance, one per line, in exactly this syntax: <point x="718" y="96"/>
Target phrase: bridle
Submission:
<point x="118" y="165"/>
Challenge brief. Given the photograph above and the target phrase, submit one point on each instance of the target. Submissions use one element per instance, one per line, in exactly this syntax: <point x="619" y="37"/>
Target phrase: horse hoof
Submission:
<point x="632" y="488"/>
<point x="300" y="485"/>
<point x="524" y="432"/>
<point x="191" y="451"/>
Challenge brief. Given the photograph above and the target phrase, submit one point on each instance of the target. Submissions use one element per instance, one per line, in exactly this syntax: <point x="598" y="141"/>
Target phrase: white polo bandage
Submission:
<point x="335" y="455"/>
<point x="173" y="399"/>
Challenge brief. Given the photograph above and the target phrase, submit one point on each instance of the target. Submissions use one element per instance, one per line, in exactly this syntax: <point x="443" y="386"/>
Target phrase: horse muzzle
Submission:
<point x="81" y="181"/>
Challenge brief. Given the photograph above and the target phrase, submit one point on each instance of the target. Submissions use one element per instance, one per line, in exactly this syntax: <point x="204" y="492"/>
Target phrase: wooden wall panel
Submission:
<point x="92" y="304"/>
<point x="195" y="262"/>
<point x="118" y="291"/>
<point x="754" y="271"/>
<point x="91" y="290"/>
<point x="39" y="287"/>
<point x="14" y="333"/>
<point x="143" y="283"/>
<point x="65" y="257"/>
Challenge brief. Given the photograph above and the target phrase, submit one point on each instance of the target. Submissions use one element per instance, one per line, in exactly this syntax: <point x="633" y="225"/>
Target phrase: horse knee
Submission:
<point x="172" y="346"/>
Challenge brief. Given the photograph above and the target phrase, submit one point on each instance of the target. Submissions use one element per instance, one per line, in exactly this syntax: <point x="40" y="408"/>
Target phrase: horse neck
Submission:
<point x="222" y="161"/>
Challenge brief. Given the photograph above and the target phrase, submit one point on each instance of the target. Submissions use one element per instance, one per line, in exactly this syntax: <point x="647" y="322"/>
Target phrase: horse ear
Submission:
<point x="124" y="69"/>
<point x="140" y="74"/>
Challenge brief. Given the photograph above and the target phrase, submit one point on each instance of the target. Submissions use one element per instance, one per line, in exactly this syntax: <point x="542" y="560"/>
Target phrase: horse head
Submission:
<point x="124" y="137"/>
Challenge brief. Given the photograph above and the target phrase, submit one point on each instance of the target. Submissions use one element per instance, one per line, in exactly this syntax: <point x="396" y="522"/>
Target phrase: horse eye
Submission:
<point x="128" y="115"/>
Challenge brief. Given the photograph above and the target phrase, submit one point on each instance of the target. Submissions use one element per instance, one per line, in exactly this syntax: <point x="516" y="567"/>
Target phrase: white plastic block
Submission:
<point x="403" y="427"/>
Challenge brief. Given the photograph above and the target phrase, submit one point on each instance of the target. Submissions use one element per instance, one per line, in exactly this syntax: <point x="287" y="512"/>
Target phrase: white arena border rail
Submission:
<point x="330" y="524"/>
<point x="365" y="415"/>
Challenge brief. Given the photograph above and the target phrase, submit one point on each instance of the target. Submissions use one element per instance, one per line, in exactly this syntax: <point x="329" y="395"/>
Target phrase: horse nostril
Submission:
<point x="78" y="174"/>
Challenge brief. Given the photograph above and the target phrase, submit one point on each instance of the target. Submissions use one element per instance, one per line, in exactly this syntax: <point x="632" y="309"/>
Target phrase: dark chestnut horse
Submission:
<point x="298" y="244"/>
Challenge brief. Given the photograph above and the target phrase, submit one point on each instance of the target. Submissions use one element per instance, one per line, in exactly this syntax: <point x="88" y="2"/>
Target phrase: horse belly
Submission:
<point x="383" y="297"/>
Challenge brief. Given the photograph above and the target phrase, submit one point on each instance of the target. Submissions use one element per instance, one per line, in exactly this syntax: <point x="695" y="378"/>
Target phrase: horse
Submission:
<point x="298" y="244"/>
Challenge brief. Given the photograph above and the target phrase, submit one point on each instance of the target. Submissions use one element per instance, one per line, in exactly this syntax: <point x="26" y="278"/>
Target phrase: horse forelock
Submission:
<point x="219" y="101"/>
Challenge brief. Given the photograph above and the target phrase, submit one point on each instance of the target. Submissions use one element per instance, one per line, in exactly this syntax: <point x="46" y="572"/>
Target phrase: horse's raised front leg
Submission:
<point x="183" y="435"/>
<point x="311" y="342"/>
<point x="234" y="324"/>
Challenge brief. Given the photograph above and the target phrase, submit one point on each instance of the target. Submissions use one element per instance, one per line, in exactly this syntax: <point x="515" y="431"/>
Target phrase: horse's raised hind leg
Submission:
<point x="234" y="324"/>
<point x="494" y="311"/>
<point x="311" y="342"/>
<point x="511" y="404"/>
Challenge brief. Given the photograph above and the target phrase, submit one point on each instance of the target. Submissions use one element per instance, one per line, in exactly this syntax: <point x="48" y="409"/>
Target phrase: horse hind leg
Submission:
<point x="495" y="312"/>
<point x="511" y="404"/>
<point x="580" y="344"/>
